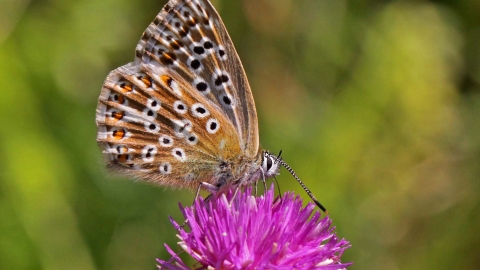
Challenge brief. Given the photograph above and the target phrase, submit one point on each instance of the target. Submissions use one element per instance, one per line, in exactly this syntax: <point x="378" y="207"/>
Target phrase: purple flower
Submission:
<point x="248" y="232"/>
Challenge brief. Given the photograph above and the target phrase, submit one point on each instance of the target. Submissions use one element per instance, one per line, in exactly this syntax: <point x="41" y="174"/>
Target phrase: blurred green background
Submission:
<point x="375" y="104"/>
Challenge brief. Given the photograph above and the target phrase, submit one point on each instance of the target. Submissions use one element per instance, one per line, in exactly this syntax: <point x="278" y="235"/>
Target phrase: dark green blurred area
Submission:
<point x="375" y="104"/>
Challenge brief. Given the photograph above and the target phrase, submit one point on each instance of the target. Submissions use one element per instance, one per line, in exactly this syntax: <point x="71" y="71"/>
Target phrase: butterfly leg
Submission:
<point x="197" y="193"/>
<point x="206" y="185"/>
<point x="194" y="199"/>
<point x="235" y="194"/>
<point x="209" y="197"/>
<point x="263" y="179"/>
<point x="278" y="187"/>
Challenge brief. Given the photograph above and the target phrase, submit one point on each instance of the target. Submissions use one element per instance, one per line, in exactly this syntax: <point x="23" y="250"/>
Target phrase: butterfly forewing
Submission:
<point x="152" y="125"/>
<point x="190" y="38"/>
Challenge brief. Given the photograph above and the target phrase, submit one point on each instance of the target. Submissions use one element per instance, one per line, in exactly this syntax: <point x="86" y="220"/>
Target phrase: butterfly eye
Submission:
<point x="270" y="165"/>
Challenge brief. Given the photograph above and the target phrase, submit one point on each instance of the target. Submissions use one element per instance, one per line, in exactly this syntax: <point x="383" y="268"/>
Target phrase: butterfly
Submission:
<point x="182" y="113"/>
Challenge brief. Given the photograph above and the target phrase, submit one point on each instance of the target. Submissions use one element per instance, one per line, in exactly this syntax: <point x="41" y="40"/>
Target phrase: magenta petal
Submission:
<point x="175" y="263"/>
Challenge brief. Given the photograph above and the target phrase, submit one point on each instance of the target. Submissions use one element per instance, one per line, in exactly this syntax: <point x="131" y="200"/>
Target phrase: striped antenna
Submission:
<point x="290" y="170"/>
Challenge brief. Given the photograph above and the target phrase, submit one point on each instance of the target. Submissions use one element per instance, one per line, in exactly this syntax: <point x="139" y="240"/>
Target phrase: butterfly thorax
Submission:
<point x="245" y="171"/>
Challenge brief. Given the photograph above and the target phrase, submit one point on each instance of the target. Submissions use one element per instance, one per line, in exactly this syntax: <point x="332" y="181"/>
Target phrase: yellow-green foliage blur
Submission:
<point x="376" y="105"/>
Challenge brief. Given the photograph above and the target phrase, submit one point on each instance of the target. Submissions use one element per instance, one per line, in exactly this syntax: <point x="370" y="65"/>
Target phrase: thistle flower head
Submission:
<point x="243" y="231"/>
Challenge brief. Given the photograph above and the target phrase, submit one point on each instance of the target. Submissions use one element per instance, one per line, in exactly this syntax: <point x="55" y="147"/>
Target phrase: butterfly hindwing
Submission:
<point x="153" y="126"/>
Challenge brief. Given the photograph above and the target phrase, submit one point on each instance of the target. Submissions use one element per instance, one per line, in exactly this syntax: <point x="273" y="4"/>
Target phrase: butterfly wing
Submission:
<point x="152" y="125"/>
<point x="189" y="37"/>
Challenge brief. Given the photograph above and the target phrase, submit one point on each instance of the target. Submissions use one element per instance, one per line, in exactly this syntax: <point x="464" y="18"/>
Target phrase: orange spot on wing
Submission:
<point x="126" y="87"/>
<point x="168" y="58"/>
<point x="147" y="81"/>
<point x="166" y="79"/>
<point x="123" y="158"/>
<point x="121" y="99"/>
<point x="118" y="115"/>
<point x="118" y="134"/>
<point x="192" y="22"/>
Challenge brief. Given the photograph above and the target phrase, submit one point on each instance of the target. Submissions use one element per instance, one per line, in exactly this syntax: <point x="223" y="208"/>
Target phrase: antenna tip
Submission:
<point x="321" y="206"/>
